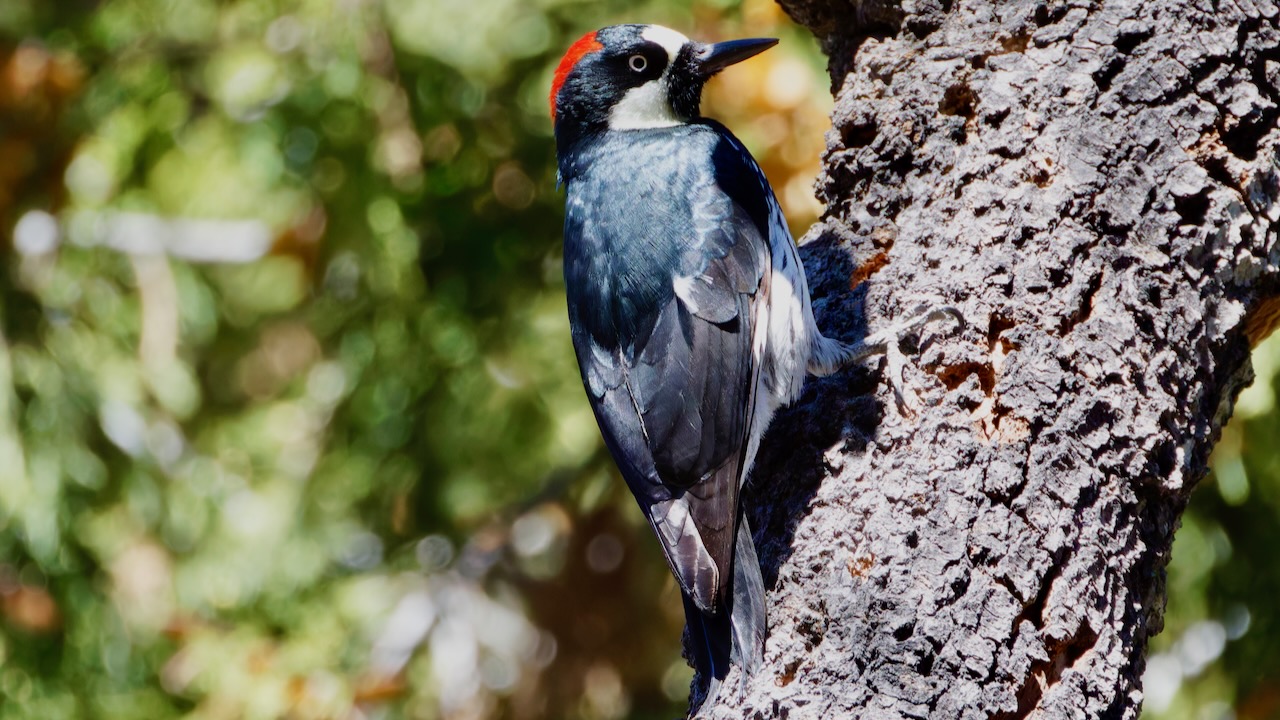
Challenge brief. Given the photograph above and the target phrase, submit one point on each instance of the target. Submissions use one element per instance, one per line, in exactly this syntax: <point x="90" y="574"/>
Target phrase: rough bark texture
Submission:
<point x="1095" y="186"/>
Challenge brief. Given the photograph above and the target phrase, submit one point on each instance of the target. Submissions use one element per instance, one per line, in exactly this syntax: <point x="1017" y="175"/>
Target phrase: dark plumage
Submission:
<point x="669" y="377"/>
<point x="687" y="302"/>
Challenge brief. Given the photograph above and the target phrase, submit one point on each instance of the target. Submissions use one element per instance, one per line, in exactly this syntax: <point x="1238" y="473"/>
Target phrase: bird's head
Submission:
<point x="629" y="77"/>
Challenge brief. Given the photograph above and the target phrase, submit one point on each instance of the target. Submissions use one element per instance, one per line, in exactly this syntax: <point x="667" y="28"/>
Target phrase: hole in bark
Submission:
<point x="811" y="628"/>
<point x="1085" y="309"/>
<point x="1165" y="459"/>
<point x="996" y="118"/>
<point x="1192" y="209"/>
<point x="913" y="540"/>
<point x="858" y="568"/>
<point x="788" y="673"/>
<point x="903" y="164"/>
<point x="1146" y="324"/>
<point x="1082" y="643"/>
<point x="859" y="135"/>
<point x="1216" y="166"/>
<point x="1034" y="610"/>
<point x="922" y="26"/>
<point x="1243" y="139"/>
<point x="998" y="324"/>
<point x="1046" y="15"/>
<point x="1104" y="75"/>
<point x="1098" y="416"/>
<point x="953" y="376"/>
<point x="1204" y="71"/>
<point x="906" y="631"/>
<point x="925" y="667"/>
<point x="1126" y="43"/>
<point x="868" y="268"/>
<point x="1088" y="496"/>
<point x="1007" y="583"/>
<point x="959" y="99"/>
<point x="1045" y="674"/>
<point x="1113" y="230"/>
<point x="1016" y="43"/>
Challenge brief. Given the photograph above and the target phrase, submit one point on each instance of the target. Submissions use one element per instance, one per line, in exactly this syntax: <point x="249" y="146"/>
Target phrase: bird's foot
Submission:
<point x="888" y="342"/>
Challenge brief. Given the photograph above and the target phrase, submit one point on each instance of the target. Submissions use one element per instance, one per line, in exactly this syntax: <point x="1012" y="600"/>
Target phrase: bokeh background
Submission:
<point x="290" y="425"/>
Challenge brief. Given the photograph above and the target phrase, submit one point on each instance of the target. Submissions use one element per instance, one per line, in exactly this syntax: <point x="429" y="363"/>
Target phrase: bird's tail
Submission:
<point x="746" y="611"/>
<point x="709" y="638"/>
<point x="736" y="633"/>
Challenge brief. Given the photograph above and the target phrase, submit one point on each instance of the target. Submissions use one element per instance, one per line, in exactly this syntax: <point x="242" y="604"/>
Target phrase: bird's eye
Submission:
<point x="637" y="63"/>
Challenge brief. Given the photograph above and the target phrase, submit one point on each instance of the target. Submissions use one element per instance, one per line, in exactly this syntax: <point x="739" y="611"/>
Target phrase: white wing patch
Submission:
<point x="784" y="327"/>
<point x="791" y="325"/>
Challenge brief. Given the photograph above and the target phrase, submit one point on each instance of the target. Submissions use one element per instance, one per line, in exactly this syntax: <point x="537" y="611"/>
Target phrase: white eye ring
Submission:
<point x="637" y="63"/>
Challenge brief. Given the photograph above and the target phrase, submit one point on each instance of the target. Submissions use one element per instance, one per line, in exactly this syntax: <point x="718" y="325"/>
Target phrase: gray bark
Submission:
<point x="1095" y="186"/>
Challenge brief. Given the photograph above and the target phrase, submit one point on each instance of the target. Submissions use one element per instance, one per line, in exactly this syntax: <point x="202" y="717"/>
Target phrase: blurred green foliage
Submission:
<point x="1218" y="657"/>
<point x="289" y="420"/>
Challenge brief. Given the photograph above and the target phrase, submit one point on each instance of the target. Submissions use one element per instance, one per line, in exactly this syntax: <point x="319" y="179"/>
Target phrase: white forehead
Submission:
<point x="669" y="39"/>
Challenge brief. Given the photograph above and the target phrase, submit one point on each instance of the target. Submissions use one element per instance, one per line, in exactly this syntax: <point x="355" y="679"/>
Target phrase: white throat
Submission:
<point x="649" y="106"/>
<point x="644" y="107"/>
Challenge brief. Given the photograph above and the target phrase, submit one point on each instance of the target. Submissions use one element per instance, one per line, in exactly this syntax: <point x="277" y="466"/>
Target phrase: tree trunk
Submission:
<point x="1095" y="186"/>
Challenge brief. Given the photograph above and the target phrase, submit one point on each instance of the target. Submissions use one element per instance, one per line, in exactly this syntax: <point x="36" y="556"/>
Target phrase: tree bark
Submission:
<point x="1094" y="185"/>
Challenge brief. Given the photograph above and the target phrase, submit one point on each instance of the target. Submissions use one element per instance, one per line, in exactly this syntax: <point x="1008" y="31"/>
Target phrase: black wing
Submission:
<point x="662" y="296"/>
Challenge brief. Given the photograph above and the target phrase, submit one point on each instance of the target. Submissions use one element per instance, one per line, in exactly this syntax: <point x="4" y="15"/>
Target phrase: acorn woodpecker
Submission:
<point x="688" y="305"/>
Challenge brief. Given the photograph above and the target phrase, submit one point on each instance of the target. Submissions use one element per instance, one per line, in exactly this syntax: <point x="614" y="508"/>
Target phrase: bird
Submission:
<point x="689" y="310"/>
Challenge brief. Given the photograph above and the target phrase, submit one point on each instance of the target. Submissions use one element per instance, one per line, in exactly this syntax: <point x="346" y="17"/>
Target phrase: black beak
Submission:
<point x="711" y="59"/>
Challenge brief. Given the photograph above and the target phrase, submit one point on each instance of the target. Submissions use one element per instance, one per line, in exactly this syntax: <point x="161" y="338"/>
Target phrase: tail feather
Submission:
<point x="747" y="613"/>
<point x="709" y="638"/>
<point x="735" y="634"/>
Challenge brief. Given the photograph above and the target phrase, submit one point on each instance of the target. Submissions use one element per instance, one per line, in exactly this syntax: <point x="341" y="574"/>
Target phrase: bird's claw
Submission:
<point x="880" y="341"/>
<point x="888" y="341"/>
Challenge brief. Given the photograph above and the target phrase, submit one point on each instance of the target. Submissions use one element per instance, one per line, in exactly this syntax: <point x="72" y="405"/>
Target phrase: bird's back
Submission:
<point x="632" y="222"/>
<point x="673" y="244"/>
<point x="663" y="269"/>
